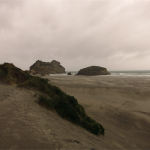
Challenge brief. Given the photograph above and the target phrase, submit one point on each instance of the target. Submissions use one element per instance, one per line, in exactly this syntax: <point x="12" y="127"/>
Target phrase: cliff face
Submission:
<point x="53" y="67"/>
<point x="93" y="70"/>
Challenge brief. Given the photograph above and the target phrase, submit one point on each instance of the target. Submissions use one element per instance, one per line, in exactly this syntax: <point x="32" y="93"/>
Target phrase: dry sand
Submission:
<point x="121" y="105"/>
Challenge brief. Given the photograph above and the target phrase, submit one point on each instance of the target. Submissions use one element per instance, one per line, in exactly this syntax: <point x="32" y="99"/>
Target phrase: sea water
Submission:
<point x="134" y="73"/>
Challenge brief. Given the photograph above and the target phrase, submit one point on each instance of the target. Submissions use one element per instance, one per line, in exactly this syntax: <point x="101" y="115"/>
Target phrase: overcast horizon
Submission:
<point x="77" y="33"/>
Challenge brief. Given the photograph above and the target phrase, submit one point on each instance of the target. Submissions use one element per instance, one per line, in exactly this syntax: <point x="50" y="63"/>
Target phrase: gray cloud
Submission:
<point x="76" y="33"/>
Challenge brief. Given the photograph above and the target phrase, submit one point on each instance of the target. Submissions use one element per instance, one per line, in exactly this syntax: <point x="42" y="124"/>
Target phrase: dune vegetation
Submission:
<point x="65" y="105"/>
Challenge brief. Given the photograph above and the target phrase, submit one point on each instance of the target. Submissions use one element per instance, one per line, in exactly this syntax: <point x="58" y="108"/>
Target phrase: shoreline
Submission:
<point x="103" y="85"/>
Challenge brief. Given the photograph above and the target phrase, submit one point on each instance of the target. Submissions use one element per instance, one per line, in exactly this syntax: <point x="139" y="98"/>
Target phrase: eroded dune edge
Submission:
<point x="121" y="105"/>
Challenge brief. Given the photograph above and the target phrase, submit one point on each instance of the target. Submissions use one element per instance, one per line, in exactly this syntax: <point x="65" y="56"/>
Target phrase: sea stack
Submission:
<point x="93" y="70"/>
<point x="52" y="67"/>
<point x="69" y="73"/>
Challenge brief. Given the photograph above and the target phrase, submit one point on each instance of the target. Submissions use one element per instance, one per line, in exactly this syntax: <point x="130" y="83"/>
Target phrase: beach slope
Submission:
<point x="121" y="105"/>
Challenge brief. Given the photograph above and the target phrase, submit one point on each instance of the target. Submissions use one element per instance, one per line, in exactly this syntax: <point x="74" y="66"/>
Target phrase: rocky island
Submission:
<point x="93" y="70"/>
<point x="52" y="67"/>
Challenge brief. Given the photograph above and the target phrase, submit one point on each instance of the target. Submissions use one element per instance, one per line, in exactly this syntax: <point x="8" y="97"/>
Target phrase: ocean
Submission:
<point x="134" y="73"/>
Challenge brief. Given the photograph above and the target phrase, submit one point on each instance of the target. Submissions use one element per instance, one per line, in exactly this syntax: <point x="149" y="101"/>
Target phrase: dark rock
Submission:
<point x="69" y="73"/>
<point x="93" y="70"/>
<point x="71" y="141"/>
<point x="76" y="141"/>
<point x="53" y="67"/>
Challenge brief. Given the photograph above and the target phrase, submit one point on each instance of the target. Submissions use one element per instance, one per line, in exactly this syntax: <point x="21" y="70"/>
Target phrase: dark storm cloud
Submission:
<point x="87" y="32"/>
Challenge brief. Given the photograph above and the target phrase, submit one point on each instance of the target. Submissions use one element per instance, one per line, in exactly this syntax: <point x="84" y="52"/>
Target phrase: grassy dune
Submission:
<point x="65" y="105"/>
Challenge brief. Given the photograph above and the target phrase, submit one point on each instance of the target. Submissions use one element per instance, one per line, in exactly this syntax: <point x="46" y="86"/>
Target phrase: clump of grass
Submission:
<point x="65" y="105"/>
<point x="45" y="102"/>
<point x="3" y="72"/>
<point x="69" y="109"/>
<point x="11" y="74"/>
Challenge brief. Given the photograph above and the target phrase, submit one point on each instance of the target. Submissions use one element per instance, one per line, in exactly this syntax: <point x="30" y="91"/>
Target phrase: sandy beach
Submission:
<point x="121" y="105"/>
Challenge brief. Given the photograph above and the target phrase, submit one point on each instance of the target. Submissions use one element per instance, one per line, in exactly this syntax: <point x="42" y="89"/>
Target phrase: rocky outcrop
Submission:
<point x="53" y="67"/>
<point x="69" y="73"/>
<point x="93" y="70"/>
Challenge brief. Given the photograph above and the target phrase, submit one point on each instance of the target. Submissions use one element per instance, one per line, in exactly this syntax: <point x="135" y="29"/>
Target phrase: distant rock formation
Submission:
<point x="69" y="73"/>
<point x="53" y="67"/>
<point x="93" y="70"/>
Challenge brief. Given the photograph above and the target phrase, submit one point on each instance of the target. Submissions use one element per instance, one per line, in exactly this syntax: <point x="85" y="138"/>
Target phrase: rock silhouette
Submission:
<point x="53" y="67"/>
<point x="93" y="70"/>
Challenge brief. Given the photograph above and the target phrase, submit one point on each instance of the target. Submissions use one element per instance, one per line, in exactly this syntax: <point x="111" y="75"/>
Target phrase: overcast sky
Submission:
<point x="114" y="34"/>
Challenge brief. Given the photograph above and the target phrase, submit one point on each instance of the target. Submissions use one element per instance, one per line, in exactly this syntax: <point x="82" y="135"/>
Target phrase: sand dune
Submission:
<point x="121" y="105"/>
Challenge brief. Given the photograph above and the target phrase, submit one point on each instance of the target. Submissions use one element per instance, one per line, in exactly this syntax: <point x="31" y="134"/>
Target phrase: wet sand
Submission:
<point x="121" y="105"/>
